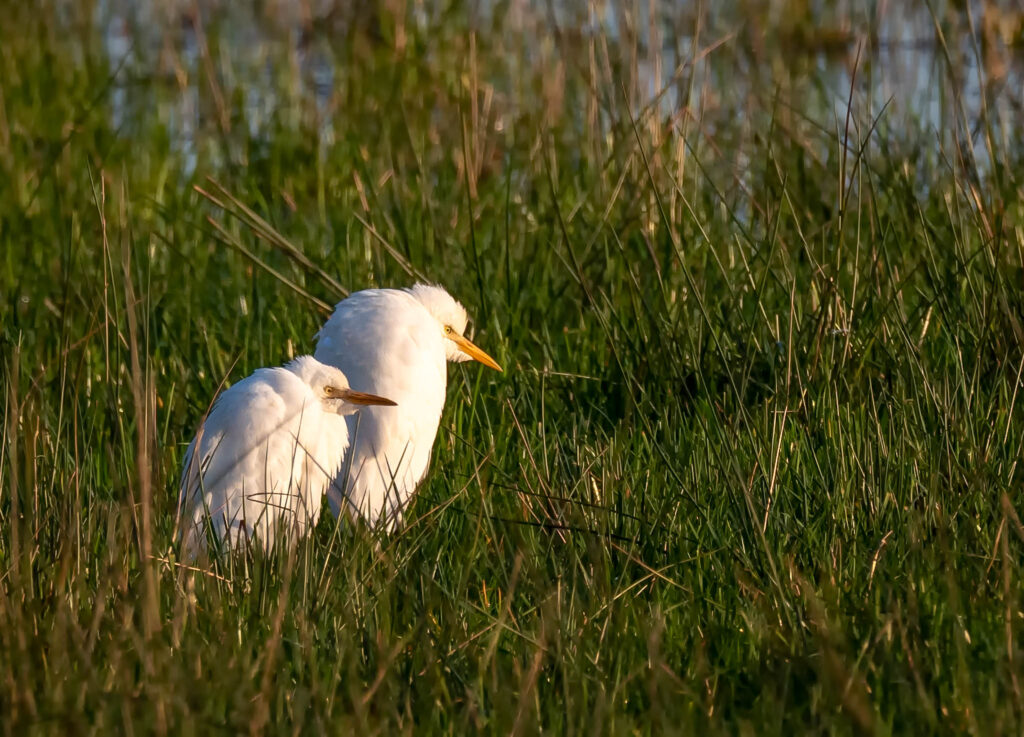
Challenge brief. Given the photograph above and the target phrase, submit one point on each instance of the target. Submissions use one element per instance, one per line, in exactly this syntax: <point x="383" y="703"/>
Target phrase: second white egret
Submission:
<point x="270" y="446"/>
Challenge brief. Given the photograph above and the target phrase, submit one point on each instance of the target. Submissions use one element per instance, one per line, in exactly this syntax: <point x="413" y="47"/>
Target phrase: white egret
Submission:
<point x="270" y="446"/>
<point x="394" y="342"/>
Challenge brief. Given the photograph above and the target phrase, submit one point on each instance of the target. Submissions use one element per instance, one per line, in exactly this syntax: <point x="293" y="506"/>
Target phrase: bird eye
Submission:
<point x="328" y="390"/>
<point x="447" y="329"/>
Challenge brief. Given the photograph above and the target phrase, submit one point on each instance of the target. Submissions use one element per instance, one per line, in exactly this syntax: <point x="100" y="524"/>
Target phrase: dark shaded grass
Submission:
<point x="752" y="466"/>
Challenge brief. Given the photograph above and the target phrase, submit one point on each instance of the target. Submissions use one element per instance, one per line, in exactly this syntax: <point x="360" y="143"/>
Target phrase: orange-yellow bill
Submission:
<point x="467" y="347"/>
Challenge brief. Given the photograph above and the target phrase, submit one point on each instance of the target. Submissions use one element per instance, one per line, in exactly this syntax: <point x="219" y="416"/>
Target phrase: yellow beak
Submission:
<point x="466" y="346"/>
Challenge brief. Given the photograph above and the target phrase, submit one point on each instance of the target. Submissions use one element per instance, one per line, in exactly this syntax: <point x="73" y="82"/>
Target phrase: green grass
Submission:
<point x="753" y="464"/>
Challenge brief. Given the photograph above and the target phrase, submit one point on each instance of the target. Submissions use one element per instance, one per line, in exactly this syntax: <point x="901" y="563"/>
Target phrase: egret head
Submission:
<point x="451" y="319"/>
<point x="331" y="387"/>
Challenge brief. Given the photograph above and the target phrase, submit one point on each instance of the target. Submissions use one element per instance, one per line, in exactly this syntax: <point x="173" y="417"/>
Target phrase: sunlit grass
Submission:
<point x="753" y="463"/>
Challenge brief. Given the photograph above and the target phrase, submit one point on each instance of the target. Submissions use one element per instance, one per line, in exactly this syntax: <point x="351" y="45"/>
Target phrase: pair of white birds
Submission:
<point x="276" y="441"/>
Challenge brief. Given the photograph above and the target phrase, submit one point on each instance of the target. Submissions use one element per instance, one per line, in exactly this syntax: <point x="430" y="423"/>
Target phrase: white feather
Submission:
<point x="393" y="343"/>
<point x="268" y="449"/>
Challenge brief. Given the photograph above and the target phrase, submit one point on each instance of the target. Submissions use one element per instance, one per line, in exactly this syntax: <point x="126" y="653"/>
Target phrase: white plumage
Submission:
<point x="270" y="446"/>
<point x="394" y="342"/>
